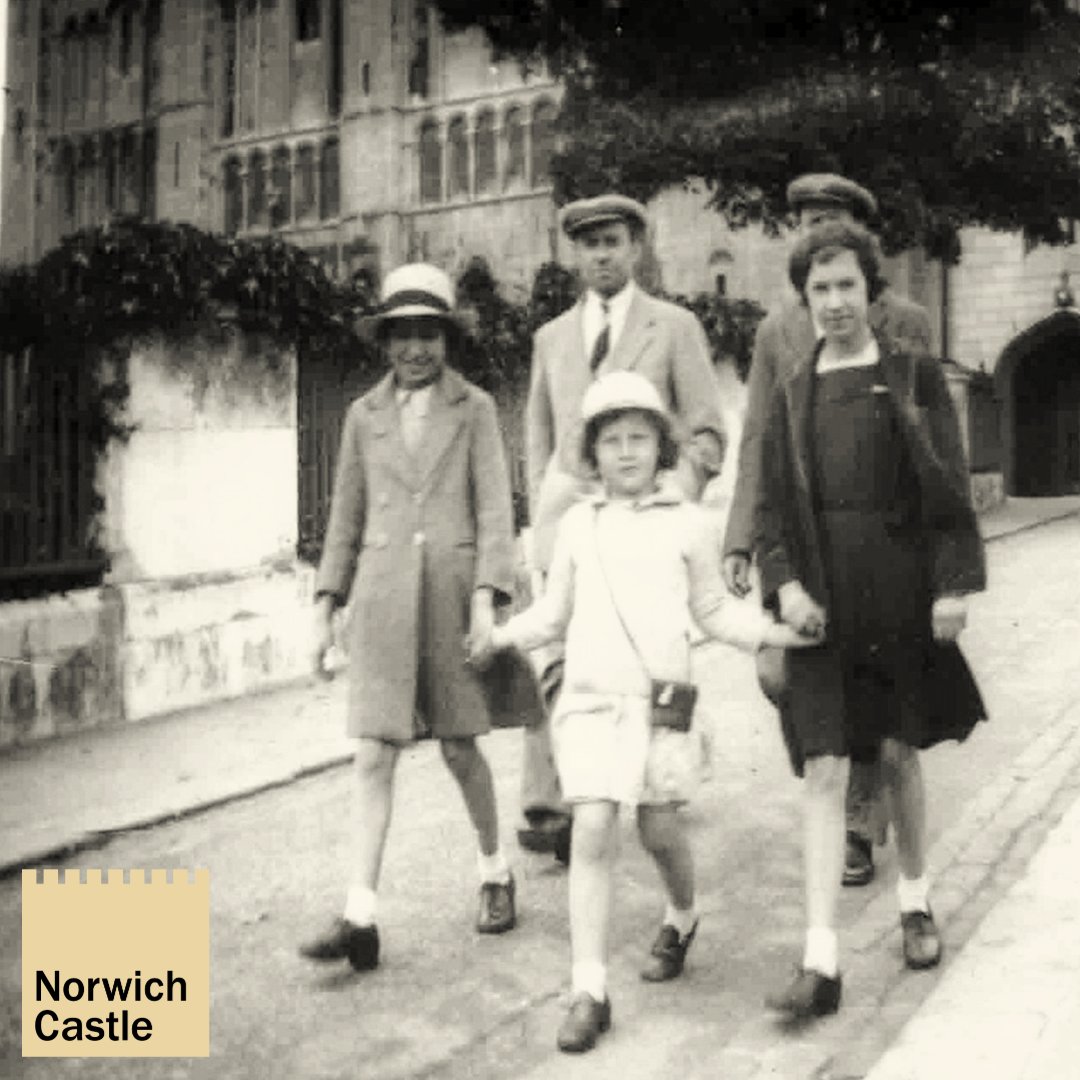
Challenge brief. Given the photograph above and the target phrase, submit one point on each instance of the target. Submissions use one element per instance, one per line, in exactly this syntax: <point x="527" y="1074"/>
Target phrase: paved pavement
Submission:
<point x="1012" y="997"/>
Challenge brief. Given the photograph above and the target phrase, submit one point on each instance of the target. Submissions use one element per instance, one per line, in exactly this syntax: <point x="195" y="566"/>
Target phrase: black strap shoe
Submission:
<point x="345" y="940"/>
<point x="809" y="994"/>
<point x="584" y="1023"/>
<point x="498" y="911"/>
<point x="668" y="954"/>
<point x="922" y="942"/>
<point x="858" y="861"/>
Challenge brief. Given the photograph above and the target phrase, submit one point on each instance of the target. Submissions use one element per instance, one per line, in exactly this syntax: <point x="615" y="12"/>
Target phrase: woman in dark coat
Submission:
<point x="420" y="544"/>
<point x="868" y="538"/>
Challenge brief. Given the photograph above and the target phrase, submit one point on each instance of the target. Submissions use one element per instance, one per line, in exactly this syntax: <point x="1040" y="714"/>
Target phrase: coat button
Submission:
<point x="418" y="538"/>
<point x="418" y="498"/>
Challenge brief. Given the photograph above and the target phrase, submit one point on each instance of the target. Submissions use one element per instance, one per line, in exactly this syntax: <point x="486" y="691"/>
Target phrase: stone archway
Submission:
<point x="1038" y="382"/>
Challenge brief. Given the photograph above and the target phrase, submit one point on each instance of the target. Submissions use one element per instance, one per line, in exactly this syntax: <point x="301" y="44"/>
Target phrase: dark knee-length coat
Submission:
<point x="410" y="538"/>
<point x="939" y="514"/>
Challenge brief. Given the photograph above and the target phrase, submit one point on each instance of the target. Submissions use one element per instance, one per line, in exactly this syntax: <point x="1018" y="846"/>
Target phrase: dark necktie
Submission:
<point x="600" y="346"/>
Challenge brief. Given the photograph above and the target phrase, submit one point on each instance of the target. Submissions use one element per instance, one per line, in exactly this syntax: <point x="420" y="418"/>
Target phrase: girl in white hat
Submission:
<point x="631" y="565"/>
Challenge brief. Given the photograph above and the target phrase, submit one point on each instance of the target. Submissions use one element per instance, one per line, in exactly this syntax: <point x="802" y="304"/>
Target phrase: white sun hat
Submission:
<point x="622" y="390"/>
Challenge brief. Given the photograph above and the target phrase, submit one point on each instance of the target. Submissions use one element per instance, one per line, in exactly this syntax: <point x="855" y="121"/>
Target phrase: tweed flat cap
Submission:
<point x="831" y="190"/>
<point x="603" y="209"/>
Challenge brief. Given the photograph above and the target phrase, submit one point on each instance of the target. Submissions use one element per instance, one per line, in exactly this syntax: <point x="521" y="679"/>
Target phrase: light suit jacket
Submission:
<point x="660" y="340"/>
<point x="785" y="339"/>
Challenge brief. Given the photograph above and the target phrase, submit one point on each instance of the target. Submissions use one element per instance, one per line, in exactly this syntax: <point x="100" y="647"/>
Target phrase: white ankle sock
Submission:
<point x="493" y="868"/>
<point x="683" y="921"/>
<point x="912" y="894"/>
<point x="360" y="905"/>
<point x="822" y="951"/>
<point x="589" y="976"/>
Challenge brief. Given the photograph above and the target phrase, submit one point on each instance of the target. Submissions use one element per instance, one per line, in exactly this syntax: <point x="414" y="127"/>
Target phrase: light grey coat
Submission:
<point x="408" y="541"/>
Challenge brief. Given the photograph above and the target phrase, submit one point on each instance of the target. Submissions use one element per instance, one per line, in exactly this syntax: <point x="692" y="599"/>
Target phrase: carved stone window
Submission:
<point x="430" y="163"/>
<point x="457" y="140"/>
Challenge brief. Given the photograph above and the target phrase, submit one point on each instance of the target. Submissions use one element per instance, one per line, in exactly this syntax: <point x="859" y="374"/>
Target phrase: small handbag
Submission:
<point x="671" y="703"/>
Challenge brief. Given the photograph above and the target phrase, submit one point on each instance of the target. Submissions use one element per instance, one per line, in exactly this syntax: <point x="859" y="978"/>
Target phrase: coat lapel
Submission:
<point x="800" y="341"/>
<point x="386" y="428"/>
<point x="445" y="419"/>
<point x="637" y="333"/>
<point x="800" y="395"/>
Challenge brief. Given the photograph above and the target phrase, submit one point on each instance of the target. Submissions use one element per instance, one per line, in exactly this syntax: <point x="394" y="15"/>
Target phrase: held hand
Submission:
<point x="801" y="611"/>
<point x="736" y="570"/>
<point x="783" y="636"/>
<point x="481" y="629"/>
<point x="322" y="642"/>
<point x="948" y="617"/>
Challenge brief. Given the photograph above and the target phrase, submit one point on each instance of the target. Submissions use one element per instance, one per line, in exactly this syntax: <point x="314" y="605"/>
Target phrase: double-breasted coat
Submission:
<point x="935" y="513"/>
<point x="410" y="538"/>
<point x="784" y="340"/>
<point x="660" y="340"/>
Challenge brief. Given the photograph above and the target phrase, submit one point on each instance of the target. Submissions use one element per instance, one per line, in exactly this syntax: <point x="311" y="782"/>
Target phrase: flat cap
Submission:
<point x="602" y="209"/>
<point x="831" y="190"/>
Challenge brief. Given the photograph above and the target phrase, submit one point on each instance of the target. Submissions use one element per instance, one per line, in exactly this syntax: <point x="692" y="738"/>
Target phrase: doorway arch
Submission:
<point x="1038" y="383"/>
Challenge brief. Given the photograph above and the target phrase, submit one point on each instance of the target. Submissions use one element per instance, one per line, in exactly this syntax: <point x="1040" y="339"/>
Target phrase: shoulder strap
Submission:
<point x="611" y="592"/>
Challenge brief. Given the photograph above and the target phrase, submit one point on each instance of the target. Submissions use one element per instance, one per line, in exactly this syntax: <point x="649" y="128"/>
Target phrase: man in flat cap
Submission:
<point x="786" y="338"/>
<point x="615" y="325"/>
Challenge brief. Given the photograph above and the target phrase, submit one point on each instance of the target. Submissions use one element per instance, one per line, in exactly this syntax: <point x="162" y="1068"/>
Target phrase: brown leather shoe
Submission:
<point x="922" y="942"/>
<point x="498" y="912"/>
<point x="809" y="994"/>
<point x="584" y="1023"/>
<point x="668" y="954"/>
<point x="858" y="861"/>
<point x="345" y="940"/>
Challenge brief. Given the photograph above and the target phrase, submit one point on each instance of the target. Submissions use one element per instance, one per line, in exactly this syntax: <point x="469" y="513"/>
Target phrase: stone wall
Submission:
<point x="205" y="599"/>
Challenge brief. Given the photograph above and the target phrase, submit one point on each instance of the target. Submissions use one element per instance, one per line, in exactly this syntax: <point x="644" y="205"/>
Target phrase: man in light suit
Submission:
<point x="614" y="326"/>
<point x="786" y="338"/>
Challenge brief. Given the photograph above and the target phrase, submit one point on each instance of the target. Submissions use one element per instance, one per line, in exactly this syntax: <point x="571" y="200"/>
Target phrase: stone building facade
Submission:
<point x="361" y="131"/>
<point x="354" y="128"/>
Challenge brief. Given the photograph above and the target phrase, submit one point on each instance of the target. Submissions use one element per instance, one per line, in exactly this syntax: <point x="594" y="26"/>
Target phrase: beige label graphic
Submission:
<point x="114" y="968"/>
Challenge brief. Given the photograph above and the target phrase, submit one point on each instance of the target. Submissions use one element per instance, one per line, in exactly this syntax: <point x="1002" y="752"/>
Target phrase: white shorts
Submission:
<point x="606" y="748"/>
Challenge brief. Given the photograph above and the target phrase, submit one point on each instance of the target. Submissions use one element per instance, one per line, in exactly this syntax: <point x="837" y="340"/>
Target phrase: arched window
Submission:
<point x="71" y="76"/>
<point x="330" y="180"/>
<point x="486" y="167"/>
<point x="543" y="142"/>
<point x="227" y="118"/>
<point x="66" y="173"/>
<point x="280" y="187"/>
<point x="457" y="140"/>
<point x="514" y="134"/>
<point x="86" y="209"/>
<point x="308" y="20"/>
<point x="430" y="163"/>
<point x="45" y="67"/>
<point x="234" y="196"/>
<point x="305" y="182"/>
<point x="108" y="162"/>
<point x="148" y="191"/>
<point x="127" y="38"/>
<point x="129" y="172"/>
<point x="256" y="206"/>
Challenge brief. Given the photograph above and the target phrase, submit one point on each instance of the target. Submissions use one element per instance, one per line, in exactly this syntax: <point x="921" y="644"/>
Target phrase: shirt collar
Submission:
<point x="667" y="493"/>
<point x="618" y="304"/>
<point x="419" y="393"/>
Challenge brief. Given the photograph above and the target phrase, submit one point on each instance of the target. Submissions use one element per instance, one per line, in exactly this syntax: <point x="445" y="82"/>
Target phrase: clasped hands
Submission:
<point x="481" y="642"/>
<point x="802" y="613"/>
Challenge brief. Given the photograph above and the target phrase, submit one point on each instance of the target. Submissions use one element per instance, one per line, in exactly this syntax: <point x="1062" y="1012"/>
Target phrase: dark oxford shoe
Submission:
<point x="345" y="940"/>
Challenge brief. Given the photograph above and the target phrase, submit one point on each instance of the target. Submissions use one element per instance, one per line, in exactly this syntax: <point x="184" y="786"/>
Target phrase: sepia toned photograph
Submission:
<point x="563" y="517"/>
